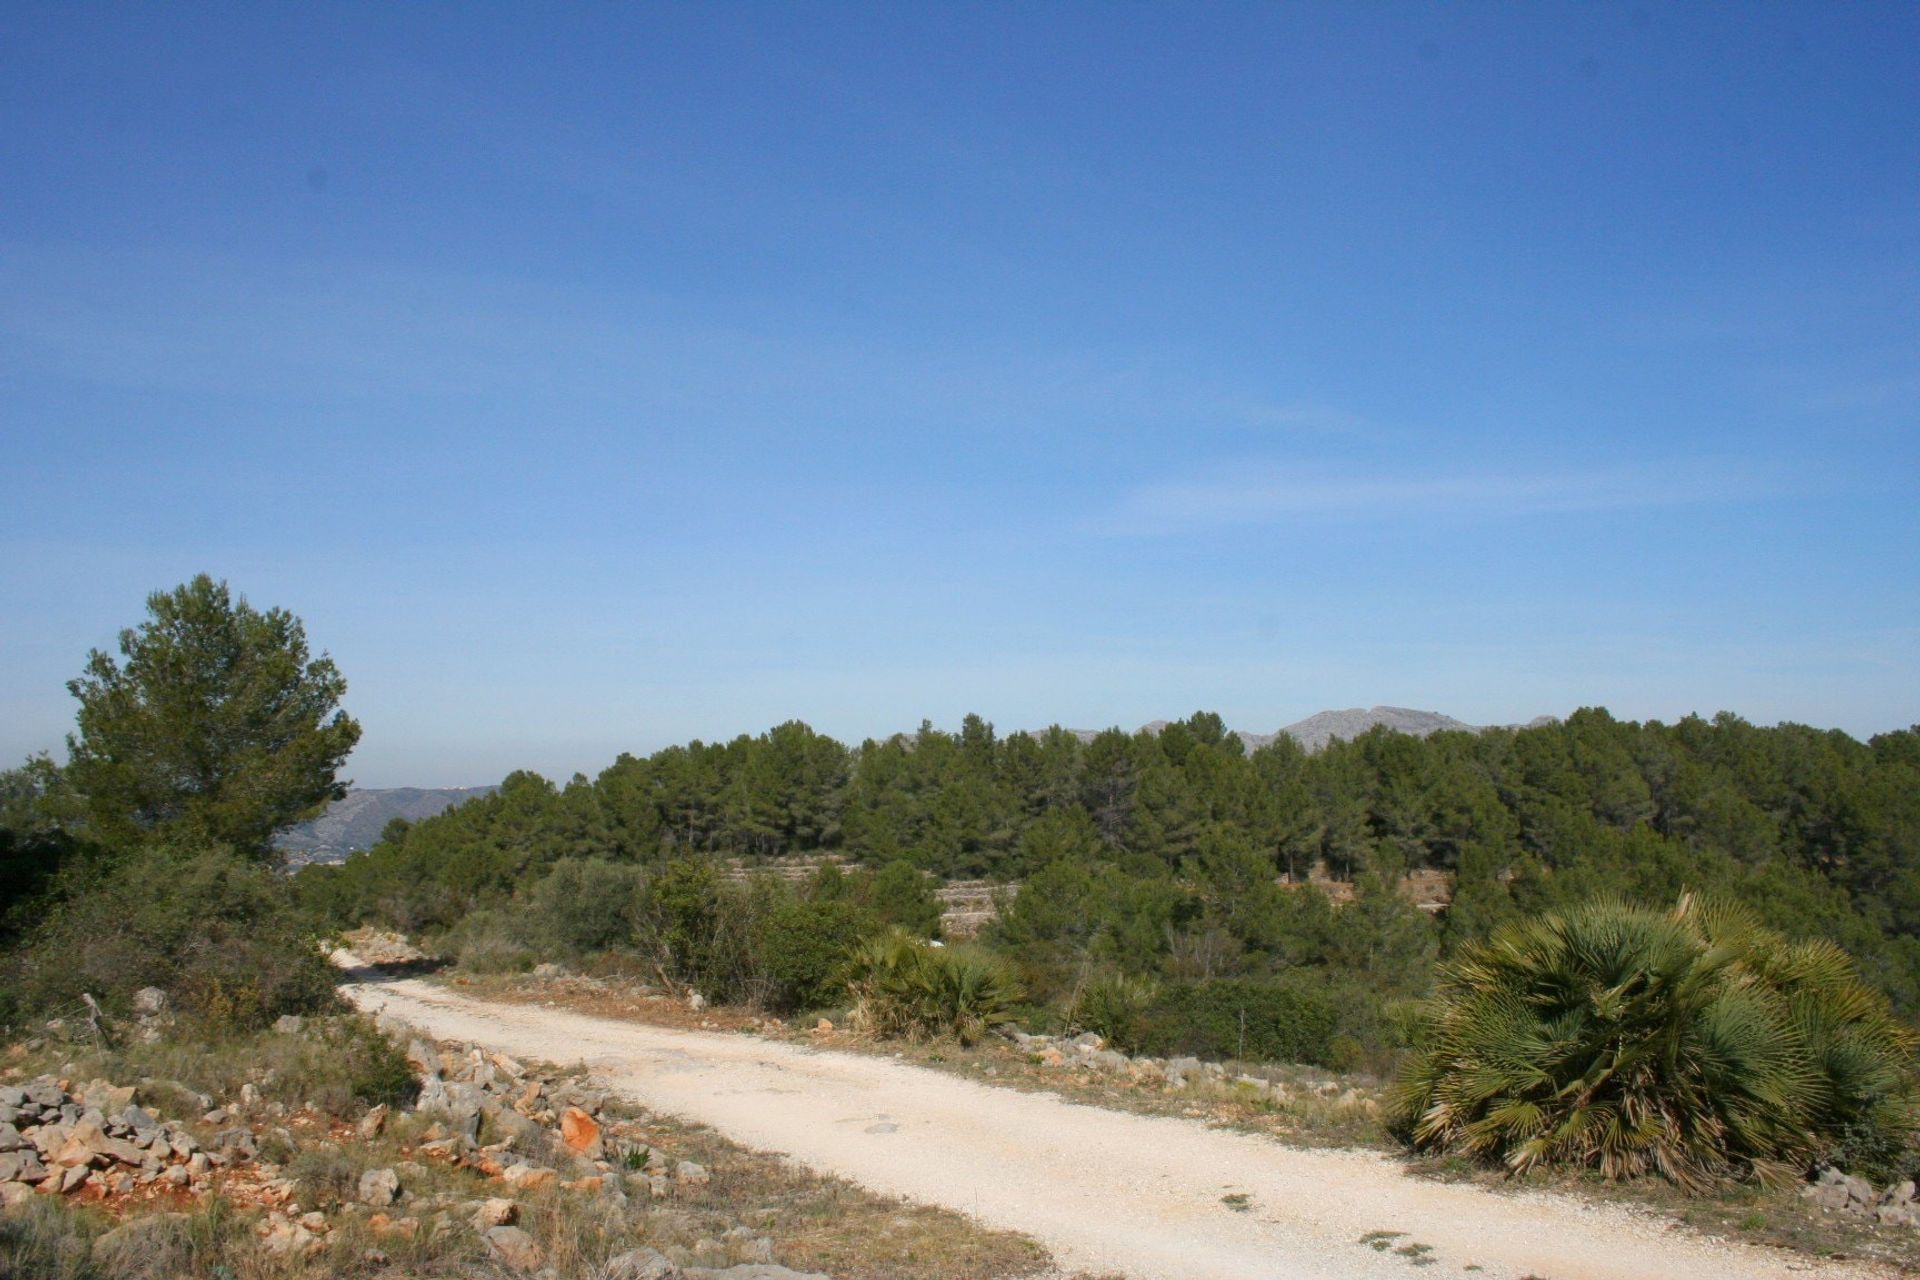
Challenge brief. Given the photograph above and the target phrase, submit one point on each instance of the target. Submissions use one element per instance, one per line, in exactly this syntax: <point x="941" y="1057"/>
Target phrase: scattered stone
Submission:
<point x="692" y="1174"/>
<point x="22" y="1167"/>
<point x="639" y="1264"/>
<point x="86" y="1144"/>
<point x="236" y="1142"/>
<point x="75" y="1178"/>
<point x="529" y="1177"/>
<point x="512" y="1126"/>
<point x="373" y="1123"/>
<point x="580" y="1133"/>
<point x="107" y="1098"/>
<point x="379" y="1187"/>
<point x="288" y="1238"/>
<point x="514" y="1247"/>
<point x="495" y="1211"/>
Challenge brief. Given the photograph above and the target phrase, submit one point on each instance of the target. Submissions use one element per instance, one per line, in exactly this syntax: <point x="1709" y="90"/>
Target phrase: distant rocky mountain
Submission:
<point x="355" y="821"/>
<point x="1317" y="730"/>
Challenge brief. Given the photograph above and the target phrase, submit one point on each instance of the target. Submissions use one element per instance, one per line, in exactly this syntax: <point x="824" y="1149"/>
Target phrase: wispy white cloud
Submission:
<point x="1255" y="494"/>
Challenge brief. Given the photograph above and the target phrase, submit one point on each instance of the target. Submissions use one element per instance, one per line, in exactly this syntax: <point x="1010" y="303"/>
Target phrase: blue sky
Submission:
<point x="591" y="380"/>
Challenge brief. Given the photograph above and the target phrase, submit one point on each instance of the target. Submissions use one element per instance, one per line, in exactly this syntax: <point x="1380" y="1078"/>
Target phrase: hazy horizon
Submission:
<point x="602" y="380"/>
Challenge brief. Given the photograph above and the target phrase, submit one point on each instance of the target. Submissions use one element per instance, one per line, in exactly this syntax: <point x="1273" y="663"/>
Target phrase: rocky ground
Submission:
<point x="498" y="1167"/>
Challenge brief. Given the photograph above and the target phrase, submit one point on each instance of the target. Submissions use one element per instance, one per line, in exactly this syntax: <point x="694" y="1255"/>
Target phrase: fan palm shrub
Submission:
<point x="1690" y="1043"/>
<point x="902" y="986"/>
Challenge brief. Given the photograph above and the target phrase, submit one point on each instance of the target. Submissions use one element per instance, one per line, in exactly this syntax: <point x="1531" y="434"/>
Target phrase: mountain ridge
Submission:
<point x="1322" y="727"/>
<point x="355" y="821"/>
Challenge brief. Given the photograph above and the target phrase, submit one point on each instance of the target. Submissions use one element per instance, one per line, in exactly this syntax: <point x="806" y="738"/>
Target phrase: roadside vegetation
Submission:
<point x="1169" y="897"/>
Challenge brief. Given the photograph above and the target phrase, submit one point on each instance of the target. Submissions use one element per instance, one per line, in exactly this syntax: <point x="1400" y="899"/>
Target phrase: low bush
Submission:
<point x="1117" y="1007"/>
<point x="325" y="1176"/>
<point x="900" y="893"/>
<point x="216" y="931"/>
<point x="802" y="952"/>
<point x="902" y="986"/>
<point x="1690" y="1043"/>
<point x="584" y="905"/>
<point x="487" y="941"/>
<point x="1284" y="1019"/>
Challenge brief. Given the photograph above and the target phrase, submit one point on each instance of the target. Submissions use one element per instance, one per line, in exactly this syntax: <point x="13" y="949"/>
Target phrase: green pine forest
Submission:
<point x="1154" y="869"/>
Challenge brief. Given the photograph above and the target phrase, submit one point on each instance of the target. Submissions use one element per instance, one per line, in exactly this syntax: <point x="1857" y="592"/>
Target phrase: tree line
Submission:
<point x="1160" y="854"/>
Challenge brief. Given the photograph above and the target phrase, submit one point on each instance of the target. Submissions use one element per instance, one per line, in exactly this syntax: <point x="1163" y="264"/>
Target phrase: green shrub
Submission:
<point x="1690" y="1043"/>
<point x="585" y="905"/>
<point x="902" y="986"/>
<point x="51" y="1239"/>
<point x="216" y="931"/>
<point x="684" y="925"/>
<point x="900" y="893"/>
<point x="325" y="1175"/>
<point x="1285" y="1019"/>
<point x="45" y="1240"/>
<point x="488" y="941"/>
<point x="356" y="1066"/>
<point x="1117" y="1007"/>
<point x="802" y="952"/>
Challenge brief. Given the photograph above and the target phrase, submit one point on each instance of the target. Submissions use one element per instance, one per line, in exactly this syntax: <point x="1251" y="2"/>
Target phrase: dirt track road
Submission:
<point x="1105" y="1191"/>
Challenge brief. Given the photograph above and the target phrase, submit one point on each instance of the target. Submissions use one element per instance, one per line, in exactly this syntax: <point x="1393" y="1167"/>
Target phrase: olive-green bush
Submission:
<point x="215" y="930"/>
<point x="1284" y="1019"/>
<point x="802" y="948"/>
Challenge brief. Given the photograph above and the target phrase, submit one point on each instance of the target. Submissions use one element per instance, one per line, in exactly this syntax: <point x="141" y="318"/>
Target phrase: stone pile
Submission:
<point x="1843" y="1193"/>
<point x="1089" y="1052"/>
<point x="551" y="1132"/>
<point x="55" y="1139"/>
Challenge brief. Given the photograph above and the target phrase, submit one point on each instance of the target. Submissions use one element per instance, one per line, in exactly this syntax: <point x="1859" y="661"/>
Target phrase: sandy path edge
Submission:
<point x="1105" y="1191"/>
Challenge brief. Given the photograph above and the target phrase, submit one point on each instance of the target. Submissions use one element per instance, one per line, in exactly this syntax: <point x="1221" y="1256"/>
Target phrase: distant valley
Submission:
<point x="355" y="822"/>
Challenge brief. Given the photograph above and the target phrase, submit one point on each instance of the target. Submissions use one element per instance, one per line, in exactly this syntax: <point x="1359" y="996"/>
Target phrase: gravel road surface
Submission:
<point x="1105" y="1191"/>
